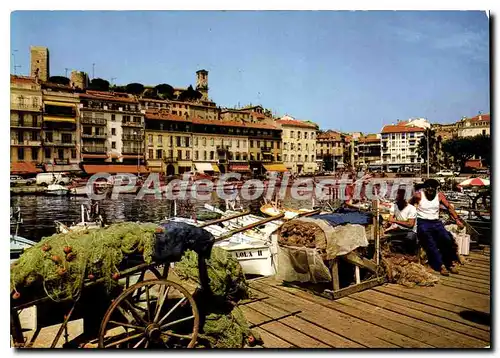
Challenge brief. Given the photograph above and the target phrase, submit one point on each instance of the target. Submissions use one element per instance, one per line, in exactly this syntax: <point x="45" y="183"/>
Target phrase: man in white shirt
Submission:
<point x="402" y="222"/>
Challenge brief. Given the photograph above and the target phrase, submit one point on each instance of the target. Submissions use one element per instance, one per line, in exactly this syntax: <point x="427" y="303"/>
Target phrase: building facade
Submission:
<point x="299" y="145"/>
<point x="368" y="151"/>
<point x="470" y="127"/>
<point x="60" y="137"/>
<point x="25" y="120"/>
<point x="39" y="63"/>
<point x="111" y="127"/>
<point x="399" y="147"/>
<point x="330" y="146"/>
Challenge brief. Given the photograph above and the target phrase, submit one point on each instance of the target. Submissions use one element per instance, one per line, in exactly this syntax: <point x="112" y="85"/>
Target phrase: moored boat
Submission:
<point x="56" y="189"/>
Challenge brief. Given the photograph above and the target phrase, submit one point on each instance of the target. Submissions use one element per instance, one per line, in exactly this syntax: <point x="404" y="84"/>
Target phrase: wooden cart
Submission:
<point x="146" y="311"/>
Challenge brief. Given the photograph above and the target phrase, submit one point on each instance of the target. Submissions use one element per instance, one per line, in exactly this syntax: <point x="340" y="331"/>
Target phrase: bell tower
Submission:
<point x="202" y="83"/>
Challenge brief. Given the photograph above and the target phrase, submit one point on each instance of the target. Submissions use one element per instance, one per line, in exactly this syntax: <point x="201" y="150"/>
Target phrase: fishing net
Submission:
<point x="225" y="273"/>
<point x="225" y="325"/>
<point x="406" y="271"/>
<point x="60" y="263"/>
<point x="229" y="330"/>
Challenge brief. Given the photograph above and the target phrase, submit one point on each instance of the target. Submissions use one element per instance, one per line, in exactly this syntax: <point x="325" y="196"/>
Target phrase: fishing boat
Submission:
<point x="273" y="210"/>
<point x="56" y="189"/>
<point x="88" y="221"/>
<point x="18" y="243"/>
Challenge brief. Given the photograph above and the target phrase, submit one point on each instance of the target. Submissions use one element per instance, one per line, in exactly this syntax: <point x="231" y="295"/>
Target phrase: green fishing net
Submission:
<point x="95" y="253"/>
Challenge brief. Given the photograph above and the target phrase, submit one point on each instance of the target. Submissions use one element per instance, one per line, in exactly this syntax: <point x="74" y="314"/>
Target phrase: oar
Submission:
<point x="248" y="227"/>
<point x="217" y="221"/>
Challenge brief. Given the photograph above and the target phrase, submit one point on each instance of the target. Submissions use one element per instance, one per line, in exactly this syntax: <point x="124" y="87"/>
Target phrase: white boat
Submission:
<point x="88" y="222"/>
<point x="56" y="189"/>
<point x="255" y="249"/>
<point x="18" y="243"/>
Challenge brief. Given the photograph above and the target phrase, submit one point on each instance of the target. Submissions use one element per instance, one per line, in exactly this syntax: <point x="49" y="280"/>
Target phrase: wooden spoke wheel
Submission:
<point x="151" y="314"/>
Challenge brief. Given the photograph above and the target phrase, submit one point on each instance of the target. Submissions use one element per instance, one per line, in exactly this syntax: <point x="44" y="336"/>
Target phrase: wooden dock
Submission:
<point x="453" y="314"/>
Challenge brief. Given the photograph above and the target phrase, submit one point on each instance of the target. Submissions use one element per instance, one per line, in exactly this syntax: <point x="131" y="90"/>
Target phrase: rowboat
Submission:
<point x="88" y="222"/>
<point x="271" y="210"/>
<point x="56" y="189"/>
<point x="18" y="243"/>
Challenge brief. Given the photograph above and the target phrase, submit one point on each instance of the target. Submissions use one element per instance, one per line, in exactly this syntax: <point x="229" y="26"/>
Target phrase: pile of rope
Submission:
<point x="406" y="271"/>
<point x="225" y="325"/>
<point x="60" y="263"/>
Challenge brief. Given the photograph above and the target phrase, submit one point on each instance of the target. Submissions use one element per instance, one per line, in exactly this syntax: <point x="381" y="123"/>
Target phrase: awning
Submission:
<point x="239" y="168"/>
<point x="62" y="104"/>
<point x="62" y="168"/>
<point x="23" y="168"/>
<point x="275" y="168"/>
<point x="94" y="156"/>
<point x="215" y="168"/>
<point x="204" y="167"/>
<point x="114" y="168"/>
<point x="59" y="119"/>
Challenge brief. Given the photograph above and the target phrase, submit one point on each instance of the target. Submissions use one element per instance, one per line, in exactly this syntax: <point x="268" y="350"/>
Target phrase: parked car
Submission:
<point x="46" y="179"/>
<point x="445" y="173"/>
<point x="18" y="180"/>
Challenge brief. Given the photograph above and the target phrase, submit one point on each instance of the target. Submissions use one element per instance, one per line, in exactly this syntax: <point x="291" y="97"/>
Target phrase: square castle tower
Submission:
<point x="39" y="62"/>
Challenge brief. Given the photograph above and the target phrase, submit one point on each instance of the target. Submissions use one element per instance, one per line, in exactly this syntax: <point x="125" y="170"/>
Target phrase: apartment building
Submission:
<point x="470" y="127"/>
<point x="299" y="145"/>
<point x="25" y="120"/>
<point x="368" y="151"/>
<point x="169" y="142"/>
<point x="399" y="147"/>
<point x="60" y="137"/>
<point x="330" y="146"/>
<point x="111" y="127"/>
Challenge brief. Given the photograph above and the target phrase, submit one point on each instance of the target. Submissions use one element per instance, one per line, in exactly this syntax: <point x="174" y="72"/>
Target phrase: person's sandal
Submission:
<point x="444" y="271"/>
<point x="453" y="269"/>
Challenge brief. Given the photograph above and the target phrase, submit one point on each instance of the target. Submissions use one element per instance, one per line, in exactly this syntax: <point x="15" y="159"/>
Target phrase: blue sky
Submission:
<point x="353" y="71"/>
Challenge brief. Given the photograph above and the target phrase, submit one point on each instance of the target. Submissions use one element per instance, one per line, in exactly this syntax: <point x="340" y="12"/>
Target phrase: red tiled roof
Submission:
<point x="23" y="168"/>
<point x="295" y="123"/>
<point x="113" y="168"/>
<point x="329" y="135"/>
<point x="159" y="114"/>
<point x="480" y="117"/>
<point x="108" y="96"/>
<point x="369" y="138"/>
<point x="401" y="129"/>
<point x="26" y="79"/>
<point x="233" y="124"/>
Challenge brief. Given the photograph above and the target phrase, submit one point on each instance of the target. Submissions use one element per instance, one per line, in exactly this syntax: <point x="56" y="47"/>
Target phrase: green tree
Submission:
<point x="482" y="147"/>
<point x="150" y="93"/>
<point x="434" y="144"/>
<point x="98" y="84"/>
<point x="190" y="95"/>
<point x="165" y="91"/>
<point x="60" y="80"/>
<point x="135" y="88"/>
<point x="119" y="89"/>
<point x="460" y="149"/>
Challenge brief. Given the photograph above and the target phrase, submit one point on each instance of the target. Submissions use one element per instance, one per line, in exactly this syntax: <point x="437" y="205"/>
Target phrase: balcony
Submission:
<point x="129" y="150"/>
<point x="132" y="124"/>
<point x="25" y="107"/>
<point x="25" y="143"/>
<point x="95" y="136"/>
<point x="26" y="124"/>
<point x="94" y="121"/>
<point x="59" y="143"/>
<point x="133" y="137"/>
<point x="98" y="149"/>
<point x="170" y="159"/>
<point x="266" y="149"/>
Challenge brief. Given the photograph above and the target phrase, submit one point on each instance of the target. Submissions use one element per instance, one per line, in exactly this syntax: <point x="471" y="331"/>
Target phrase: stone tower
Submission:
<point x="40" y="63"/>
<point x="202" y="83"/>
<point x="79" y="79"/>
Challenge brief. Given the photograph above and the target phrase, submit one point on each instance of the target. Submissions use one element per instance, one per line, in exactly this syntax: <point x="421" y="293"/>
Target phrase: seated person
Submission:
<point x="436" y="240"/>
<point x="402" y="222"/>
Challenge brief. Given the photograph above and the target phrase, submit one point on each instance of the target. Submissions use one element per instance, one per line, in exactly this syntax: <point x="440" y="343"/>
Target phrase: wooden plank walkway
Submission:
<point x="453" y="314"/>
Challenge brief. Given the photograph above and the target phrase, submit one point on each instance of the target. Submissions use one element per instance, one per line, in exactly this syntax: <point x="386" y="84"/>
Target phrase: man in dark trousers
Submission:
<point x="435" y="239"/>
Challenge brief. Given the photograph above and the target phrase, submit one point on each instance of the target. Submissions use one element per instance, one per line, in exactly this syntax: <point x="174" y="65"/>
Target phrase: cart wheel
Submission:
<point x="151" y="314"/>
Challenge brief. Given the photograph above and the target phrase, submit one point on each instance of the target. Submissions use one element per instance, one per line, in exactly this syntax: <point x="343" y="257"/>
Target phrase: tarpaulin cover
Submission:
<point x="347" y="217"/>
<point x="301" y="264"/>
<point x="177" y="238"/>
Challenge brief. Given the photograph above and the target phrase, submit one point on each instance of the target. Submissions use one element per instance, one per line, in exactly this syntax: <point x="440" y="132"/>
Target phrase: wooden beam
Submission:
<point x="353" y="258"/>
<point x="355" y="288"/>
<point x="335" y="275"/>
